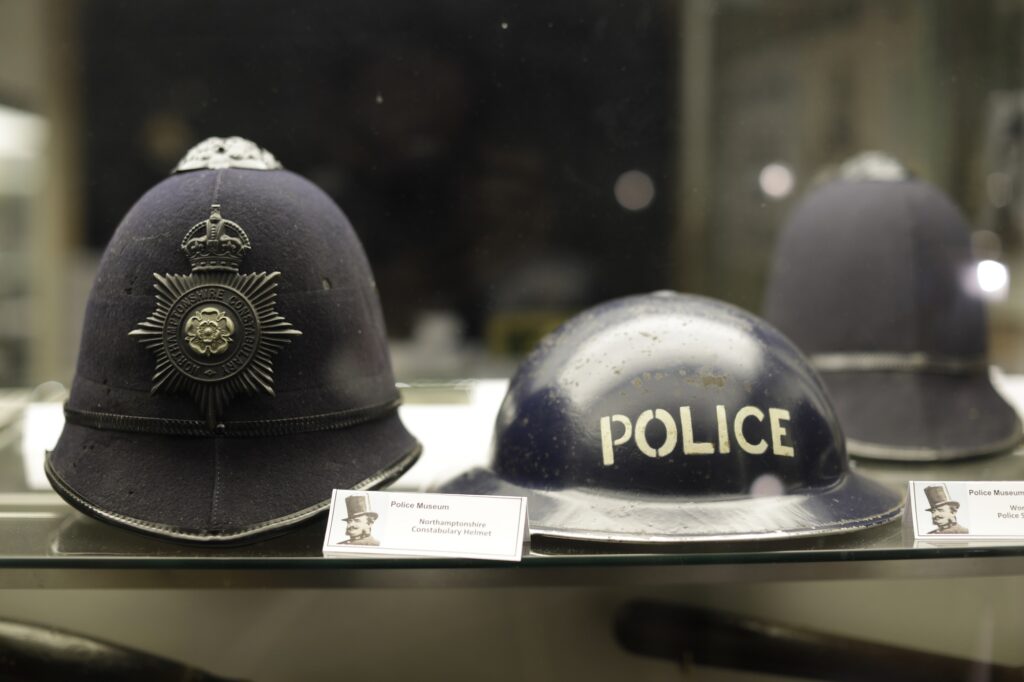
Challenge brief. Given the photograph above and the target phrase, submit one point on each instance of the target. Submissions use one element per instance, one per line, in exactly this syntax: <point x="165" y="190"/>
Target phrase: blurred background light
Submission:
<point x="634" y="190"/>
<point x="776" y="181"/>
<point x="993" y="279"/>
<point x="22" y="134"/>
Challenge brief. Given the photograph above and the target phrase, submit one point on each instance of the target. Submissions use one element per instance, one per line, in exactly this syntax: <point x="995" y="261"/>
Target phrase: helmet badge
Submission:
<point x="214" y="332"/>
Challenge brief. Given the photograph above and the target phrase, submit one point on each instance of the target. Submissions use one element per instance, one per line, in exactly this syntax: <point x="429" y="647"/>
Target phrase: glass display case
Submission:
<point x="506" y="168"/>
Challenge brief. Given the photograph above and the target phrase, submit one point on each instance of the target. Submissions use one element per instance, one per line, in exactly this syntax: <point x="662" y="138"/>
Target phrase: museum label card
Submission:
<point x="962" y="511"/>
<point x="425" y="524"/>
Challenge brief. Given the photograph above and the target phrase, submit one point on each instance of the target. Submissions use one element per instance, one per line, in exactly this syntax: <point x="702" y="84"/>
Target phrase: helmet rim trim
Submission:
<point x="888" y="507"/>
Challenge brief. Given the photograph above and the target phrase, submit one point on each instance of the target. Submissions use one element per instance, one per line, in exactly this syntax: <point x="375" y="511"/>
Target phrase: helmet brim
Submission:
<point x="854" y="503"/>
<point x="223" y="489"/>
<point x="922" y="417"/>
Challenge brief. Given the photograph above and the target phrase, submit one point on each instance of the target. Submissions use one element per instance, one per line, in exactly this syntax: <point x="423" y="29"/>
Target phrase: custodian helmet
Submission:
<point x="875" y="281"/>
<point x="234" y="365"/>
<point x="671" y="417"/>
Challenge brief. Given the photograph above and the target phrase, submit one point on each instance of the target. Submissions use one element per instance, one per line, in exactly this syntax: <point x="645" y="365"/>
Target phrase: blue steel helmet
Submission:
<point x="670" y="418"/>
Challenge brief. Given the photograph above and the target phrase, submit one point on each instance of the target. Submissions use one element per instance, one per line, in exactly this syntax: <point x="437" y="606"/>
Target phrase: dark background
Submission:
<point x="477" y="147"/>
<point x="474" y="147"/>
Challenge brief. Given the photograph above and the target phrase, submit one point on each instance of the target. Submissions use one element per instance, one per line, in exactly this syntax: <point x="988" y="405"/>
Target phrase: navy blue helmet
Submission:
<point x="874" y="279"/>
<point x="234" y="367"/>
<point x="669" y="417"/>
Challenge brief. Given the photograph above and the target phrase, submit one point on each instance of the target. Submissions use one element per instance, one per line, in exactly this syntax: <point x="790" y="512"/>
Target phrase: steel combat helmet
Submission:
<point x="671" y="418"/>
<point x="874" y="279"/>
<point x="234" y="366"/>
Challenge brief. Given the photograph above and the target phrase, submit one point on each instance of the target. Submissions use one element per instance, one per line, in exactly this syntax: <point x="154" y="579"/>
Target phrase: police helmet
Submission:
<point x="234" y="367"/>
<point x="874" y="279"/>
<point x="670" y="418"/>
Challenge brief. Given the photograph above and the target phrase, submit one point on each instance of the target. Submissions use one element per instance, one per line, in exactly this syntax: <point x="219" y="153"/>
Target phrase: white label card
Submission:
<point x="962" y="511"/>
<point x="425" y="524"/>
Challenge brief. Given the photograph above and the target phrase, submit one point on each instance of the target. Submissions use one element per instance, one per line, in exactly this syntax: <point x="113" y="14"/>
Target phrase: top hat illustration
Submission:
<point x="359" y="505"/>
<point x="938" y="495"/>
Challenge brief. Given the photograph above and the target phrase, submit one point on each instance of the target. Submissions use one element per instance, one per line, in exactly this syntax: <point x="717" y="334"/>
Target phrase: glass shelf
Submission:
<point x="46" y="543"/>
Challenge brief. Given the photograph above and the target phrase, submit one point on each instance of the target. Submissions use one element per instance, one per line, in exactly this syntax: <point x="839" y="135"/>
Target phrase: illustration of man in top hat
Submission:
<point x="360" y="521"/>
<point x="943" y="510"/>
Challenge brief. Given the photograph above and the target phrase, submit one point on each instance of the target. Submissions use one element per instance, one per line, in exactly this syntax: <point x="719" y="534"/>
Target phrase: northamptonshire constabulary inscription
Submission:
<point x="445" y="527"/>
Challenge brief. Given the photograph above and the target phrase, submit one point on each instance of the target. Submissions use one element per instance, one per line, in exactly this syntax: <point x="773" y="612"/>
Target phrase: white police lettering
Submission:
<point x="774" y="425"/>
<point x="776" y="416"/>
<point x="689" y="447"/>
<point x="741" y="416"/>
<point x="641" y="433"/>
<point x="607" y="444"/>
<point x="723" y="429"/>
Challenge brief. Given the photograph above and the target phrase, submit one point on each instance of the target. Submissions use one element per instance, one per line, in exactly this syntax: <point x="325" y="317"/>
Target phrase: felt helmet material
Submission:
<point x="875" y="281"/>
<point x="234" y="366"/>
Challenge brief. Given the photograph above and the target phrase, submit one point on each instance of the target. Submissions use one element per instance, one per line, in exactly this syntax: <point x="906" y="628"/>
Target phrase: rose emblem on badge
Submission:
<point x="208" y="331"/>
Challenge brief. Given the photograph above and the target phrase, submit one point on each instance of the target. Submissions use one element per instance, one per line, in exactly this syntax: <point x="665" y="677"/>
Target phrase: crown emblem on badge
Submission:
<point x="219" y="247"/>
<point x="215" y="332"/>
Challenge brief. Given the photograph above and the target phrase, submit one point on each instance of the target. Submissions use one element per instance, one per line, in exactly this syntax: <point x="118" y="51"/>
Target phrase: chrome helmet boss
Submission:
<point x="234" y="365"/>
<point x="669" y="417"/>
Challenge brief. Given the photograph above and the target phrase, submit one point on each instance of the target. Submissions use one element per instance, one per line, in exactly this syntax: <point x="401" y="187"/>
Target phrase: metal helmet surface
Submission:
<point x="670" y="417"/>
<point x="234" y="366"/>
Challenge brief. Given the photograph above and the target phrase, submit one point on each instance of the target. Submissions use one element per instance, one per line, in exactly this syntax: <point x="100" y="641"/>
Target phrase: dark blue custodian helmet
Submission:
<point x="234" y="365"/>
<point x="671" y="417"/>
<point x="874" y="279"/>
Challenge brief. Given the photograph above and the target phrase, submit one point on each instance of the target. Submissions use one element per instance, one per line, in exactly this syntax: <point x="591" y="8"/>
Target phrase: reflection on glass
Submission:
<point x="776" y="181"/>
<point x="993" y="279"/>
<point x="22" y="139"/>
